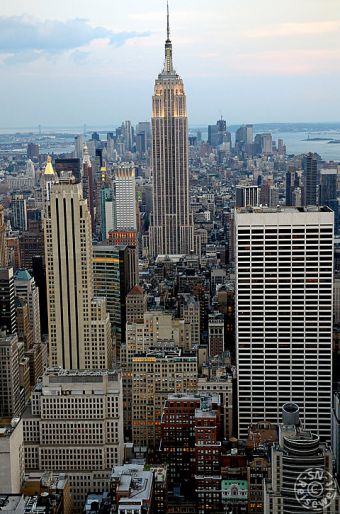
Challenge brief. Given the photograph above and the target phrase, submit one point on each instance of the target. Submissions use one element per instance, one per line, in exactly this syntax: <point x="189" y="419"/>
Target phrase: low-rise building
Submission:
<point x="132" y="489"/>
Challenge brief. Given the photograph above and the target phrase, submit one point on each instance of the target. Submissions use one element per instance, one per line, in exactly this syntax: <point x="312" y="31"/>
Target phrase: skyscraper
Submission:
<point x="112" y="280"/>
<point x="310" y="179"/>
<point x="79" y="325"/>
<point x="19" y="212"/>
<point x="3" y="242"/>
<point x="284" y="281"/>
<point x="25" y="287"/>
<point x="87" y="181"/>
<point x="9" y="376"/>
<point x="171" y="230"/>
<point x="125" y="198"/>
<point x="7" y="301"/>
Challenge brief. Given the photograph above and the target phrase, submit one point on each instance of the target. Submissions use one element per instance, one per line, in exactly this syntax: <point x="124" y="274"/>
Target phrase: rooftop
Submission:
<point x="132" y="478"/>
<point x="136" y="290"/>
<point x="11" y="503"/>
<point x="281" y="208"/>
<point x="22" y="274"/>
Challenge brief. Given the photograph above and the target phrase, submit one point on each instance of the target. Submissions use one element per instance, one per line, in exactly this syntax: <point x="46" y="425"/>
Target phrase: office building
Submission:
<point x="155" y="374"/>
<point x="74" y="425"/>
<point x="128" y="135"/>
<point x="3" y="242"/>
<point x="293" y="183"/>
<point x="136" y="304"/>
<point x="33" y="151"/>
<point x="215" y="334"/>
<point x="190" y="312"/>
<point x="328" y="193"/>
<point x="310" y="177"/>
<point x="78" y="147"/>
<point x="213" y="135"/>
<point x="25" y="287"/>
<point x="247" y="196"/>
<point x="24" y="330"/>
<point x="284" y="291"/>
<point x="19" y="212"/>
<point x="128" y="238"/>
<point x="112" y="280"/>
<point x="79" y="325"/>
<point x="106" y="215"/>
<point x="171" y="230"/>
<point x="88" y="183"/>
<point x="269" y="195"/>
<point x="10" y="399"/>
<point x="71" y="165"/>
<point x="7" y="301"/>
<point x="11" y="457"/>
<point x="143" y="137"/>
<point x="244" y="139"/>
<point x="125" y="198"/>
<point x="301" y="474"/>
<point x="39" y="274"/>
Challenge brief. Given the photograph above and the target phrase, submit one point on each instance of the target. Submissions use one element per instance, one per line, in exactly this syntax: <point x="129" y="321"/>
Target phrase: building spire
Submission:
<point x="168" y="66"/>
<point x="86" y="156"/>
<point x="49" y="168"/>
<point x="168" y="21"/>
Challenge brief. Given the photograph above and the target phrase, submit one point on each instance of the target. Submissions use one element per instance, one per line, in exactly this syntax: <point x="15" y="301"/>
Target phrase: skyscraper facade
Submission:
<point x="7" y="301"/>
<point x="125" y="198"/>
<point x="3" y="242"/>
<point x="284" y="262"/>
<point x="19" y="212"/>
<point x="9" y="376"/>
<point x="171" y="230"/>
<point x="25" y="287"/>
<point x="79" y="325"/>
<point x="310" y="179"/>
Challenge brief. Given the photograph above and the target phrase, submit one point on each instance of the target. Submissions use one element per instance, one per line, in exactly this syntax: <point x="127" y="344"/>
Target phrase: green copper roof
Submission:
<point x="22" y="274"/>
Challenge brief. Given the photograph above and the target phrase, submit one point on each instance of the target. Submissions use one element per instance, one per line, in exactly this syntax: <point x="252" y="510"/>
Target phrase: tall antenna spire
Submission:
<point x="168" y="66"/>
<point x="168" y="21"/>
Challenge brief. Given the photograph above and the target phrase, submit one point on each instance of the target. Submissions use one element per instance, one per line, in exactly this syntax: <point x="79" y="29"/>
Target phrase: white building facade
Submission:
<point x="284" y="297"/>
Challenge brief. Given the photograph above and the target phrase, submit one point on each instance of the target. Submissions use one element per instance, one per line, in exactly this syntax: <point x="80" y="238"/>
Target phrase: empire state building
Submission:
<point x="171" y="230"/>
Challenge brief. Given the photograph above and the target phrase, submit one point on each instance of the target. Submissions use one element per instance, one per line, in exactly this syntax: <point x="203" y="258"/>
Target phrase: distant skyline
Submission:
<point x="95" y="62"/>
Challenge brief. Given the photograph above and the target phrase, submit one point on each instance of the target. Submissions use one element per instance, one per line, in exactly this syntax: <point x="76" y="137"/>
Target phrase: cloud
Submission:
<point x="22" y="35"/>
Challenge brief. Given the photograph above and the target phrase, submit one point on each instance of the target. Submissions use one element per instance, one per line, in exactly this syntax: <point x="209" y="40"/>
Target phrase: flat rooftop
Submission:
<point x="11" y="503"/>
<point x="282" y="208"/>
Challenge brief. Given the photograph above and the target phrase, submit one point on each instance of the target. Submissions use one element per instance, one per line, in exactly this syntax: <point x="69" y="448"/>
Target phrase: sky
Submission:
<point x="71" y="62"/>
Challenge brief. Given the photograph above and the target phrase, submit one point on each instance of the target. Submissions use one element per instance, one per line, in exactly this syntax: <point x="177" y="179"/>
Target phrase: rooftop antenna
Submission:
<point x="167" y="21"/>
